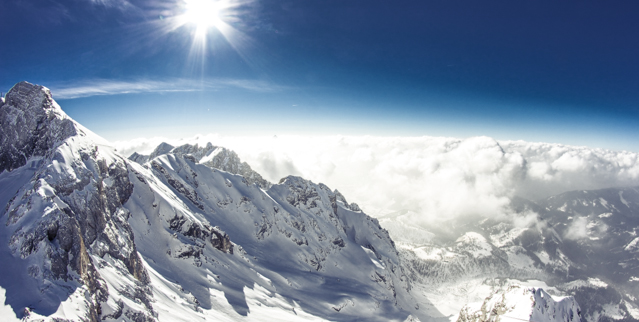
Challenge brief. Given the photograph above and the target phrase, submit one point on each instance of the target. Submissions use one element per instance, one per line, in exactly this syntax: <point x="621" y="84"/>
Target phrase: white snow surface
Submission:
<point x="6" y="312"/>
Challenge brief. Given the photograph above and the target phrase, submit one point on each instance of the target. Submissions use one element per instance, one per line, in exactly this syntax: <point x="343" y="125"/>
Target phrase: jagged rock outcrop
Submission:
<point x="30" y="124"/>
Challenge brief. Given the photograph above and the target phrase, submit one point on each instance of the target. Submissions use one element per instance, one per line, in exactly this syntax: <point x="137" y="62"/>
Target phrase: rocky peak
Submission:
<point x="138" y="158"/>
<point x="161" y="149"/>
<point x="209" y="155"/>
<point x="31" y="123"/>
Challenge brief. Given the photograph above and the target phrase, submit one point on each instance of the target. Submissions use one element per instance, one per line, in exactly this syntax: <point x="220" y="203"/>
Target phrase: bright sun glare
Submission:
<point x="204" y="18"/>
<point x="202" y="13"/>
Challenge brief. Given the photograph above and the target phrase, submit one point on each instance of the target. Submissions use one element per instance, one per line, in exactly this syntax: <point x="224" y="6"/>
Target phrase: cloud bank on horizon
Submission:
<point x="435" y="178"/>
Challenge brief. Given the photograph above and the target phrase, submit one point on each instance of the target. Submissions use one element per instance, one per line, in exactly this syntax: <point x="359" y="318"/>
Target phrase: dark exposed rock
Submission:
<point x="221" y="241"/>
<point x="138" y="316"/>
<point x="195" y="230"/>
<point x="339" y="242"/>
<point x="30" y="124"/>
<point x="52" y="230"/>
<point x="188" y="251"/>
<point x="176" y="223"/>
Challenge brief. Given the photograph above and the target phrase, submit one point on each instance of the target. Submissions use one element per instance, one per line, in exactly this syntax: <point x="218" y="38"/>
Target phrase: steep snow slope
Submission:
<point x="89" y="235"/>
<point x="298" y="239"/>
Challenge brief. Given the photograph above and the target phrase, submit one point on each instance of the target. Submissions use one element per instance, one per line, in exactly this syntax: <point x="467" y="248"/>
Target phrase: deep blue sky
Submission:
<point x="555" y="71"/>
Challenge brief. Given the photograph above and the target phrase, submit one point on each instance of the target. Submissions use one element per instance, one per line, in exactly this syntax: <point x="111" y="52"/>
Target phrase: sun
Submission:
<point x="204" y="14"/>
<point x="209" y="24"/>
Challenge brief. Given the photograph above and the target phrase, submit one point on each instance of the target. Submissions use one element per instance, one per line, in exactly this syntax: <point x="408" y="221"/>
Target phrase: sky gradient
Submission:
<point x="539" y="71"/>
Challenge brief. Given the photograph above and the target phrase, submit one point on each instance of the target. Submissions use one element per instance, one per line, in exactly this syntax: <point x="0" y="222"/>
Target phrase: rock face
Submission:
<point x="191" y="234"/>
<point x="30" y="124"/>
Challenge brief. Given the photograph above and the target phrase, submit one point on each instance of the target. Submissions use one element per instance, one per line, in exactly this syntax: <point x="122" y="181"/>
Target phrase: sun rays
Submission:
<point x="209" y="24"/>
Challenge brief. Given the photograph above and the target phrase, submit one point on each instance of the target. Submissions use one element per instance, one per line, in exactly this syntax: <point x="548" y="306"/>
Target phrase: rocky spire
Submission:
<point x="31" y="122"/>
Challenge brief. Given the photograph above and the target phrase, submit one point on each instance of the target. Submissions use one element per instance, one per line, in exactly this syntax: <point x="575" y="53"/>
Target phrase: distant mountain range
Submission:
<point x="583" y="243"/>
<point x="192" y="233"/>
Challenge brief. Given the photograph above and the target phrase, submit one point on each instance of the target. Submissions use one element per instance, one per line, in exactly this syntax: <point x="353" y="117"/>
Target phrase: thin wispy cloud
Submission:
<point x="98" y="87"/>
<point x="123" y="5"/>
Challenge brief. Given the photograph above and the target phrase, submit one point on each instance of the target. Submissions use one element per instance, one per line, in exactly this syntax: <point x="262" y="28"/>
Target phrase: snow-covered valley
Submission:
<point x="192" y="233"/>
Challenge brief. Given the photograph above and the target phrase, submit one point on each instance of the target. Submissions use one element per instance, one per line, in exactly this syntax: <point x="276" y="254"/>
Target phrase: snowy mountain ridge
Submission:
<point x="209" y="155"/>
<point x="90" y="235"/>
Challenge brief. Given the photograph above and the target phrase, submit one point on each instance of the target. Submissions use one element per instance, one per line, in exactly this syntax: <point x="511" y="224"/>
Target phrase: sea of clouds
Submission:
<point x="435" y="178"/>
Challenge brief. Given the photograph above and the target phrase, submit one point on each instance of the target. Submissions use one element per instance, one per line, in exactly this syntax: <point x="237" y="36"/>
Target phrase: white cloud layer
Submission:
<point x="96" y="87"/>
<point x="436" y="178"/>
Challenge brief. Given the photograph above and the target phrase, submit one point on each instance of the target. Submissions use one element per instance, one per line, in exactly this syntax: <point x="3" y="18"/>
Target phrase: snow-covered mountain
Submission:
<point x="186" y="234"/>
